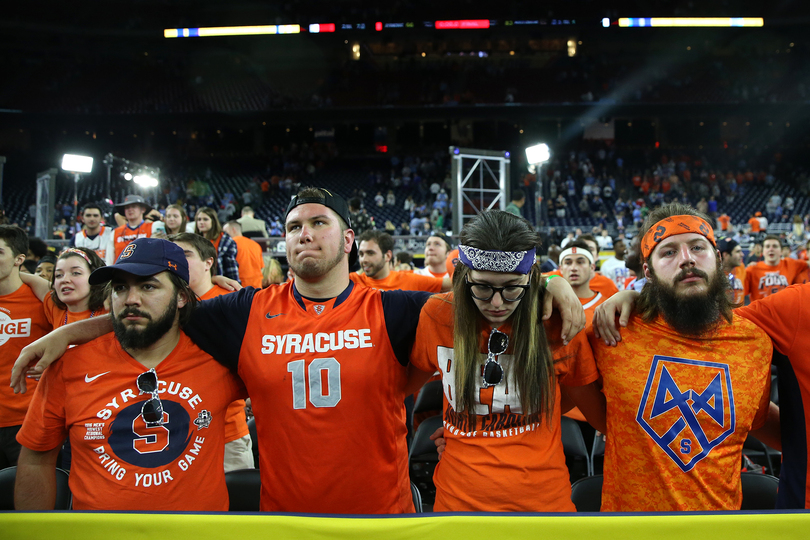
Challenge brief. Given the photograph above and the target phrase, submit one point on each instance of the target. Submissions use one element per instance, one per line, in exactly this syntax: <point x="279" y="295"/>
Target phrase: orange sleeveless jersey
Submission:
<point x="327" y="388"/>
<point x="126" y="234"/>
<point x="235" y="421"/>
<point x="506" y="462"/>
<point x="763" y="280"/>
<point x="783" y="317"/>
<point x="118" y="463"/>
<point x="590" y="304"/>
<point x="678" y="411"/>
<point x="250" y="261"/>
<point x="406" y="281"/>
<point x="22" y="321"/>
<point x="60" y="317"/>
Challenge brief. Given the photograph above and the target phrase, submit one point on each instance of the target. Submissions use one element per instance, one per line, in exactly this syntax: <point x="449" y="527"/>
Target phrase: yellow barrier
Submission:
<point x="106" y="526"/>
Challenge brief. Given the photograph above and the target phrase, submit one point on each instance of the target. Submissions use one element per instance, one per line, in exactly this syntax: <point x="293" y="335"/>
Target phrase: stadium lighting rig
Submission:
<point x="143" y="175"/>
<point x="76" y="165"/>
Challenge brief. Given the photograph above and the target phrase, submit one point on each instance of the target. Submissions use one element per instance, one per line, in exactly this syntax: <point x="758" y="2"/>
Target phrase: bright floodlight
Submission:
<point x="539" y="153"/>
<point x="145" y="181"/>
<point x="77" y="164"/>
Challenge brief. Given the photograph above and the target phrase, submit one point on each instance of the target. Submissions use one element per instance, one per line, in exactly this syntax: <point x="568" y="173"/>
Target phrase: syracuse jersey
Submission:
<point x="598" y="283"/>
<point x="678" y="411"/>
<point x="22" y="321"/>
<point x="406" y="281"/>
<point x="737" y="281"/>
<point x="326" y="380"/>
<point x="783" y="316"/>
<point x="103" y="243"/>
<point x="763" y="280"/>
<point x="506" y="461"/>
<point x="118" y="462"/>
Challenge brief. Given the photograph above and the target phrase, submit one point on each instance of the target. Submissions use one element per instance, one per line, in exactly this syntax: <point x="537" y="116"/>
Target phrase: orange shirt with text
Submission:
<point x="762" y="280"/>
<point x="406" y="281"/>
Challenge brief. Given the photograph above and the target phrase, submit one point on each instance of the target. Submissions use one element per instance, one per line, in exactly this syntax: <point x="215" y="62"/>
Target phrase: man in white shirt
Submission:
<point x="96" y="236"/>
<point x="614" y="267"/>
<point x="436" y="249"/>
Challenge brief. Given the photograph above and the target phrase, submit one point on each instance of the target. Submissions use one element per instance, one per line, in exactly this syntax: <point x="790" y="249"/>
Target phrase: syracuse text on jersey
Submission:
<point x="169" y="449"/>
<point x="13" y="328"/>
<point x="320" y="342"/>
<point x="498" y="411"/>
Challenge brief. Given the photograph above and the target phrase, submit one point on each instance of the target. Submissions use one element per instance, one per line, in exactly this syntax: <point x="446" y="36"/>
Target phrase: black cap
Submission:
<point x="330" y="200"/>
<point x="726" y="245"/>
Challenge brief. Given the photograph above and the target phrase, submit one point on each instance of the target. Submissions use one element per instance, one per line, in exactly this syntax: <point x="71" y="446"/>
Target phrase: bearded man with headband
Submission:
<point x="687" y="382"/>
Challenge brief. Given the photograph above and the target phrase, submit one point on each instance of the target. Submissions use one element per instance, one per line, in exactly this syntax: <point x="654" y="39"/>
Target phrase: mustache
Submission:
<point x="132" y="311"/>
<point x="693" y="272"/>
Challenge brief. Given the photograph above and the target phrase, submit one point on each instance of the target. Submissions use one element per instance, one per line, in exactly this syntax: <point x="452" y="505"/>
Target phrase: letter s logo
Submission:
<point x="659" y="233"/>
<point x="686" y="446"/>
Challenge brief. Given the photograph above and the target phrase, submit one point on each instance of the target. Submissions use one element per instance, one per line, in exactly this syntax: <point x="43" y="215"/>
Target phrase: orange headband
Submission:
<point x="675" y="225"/>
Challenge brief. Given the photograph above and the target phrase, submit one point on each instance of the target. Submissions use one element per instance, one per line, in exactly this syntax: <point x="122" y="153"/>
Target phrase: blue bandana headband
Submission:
<point x="513" y="262"/>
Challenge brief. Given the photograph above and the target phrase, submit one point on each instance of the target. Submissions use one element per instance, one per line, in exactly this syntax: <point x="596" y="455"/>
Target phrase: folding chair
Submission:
<point x="423" y="459"/>
<point x="244" y="490"/>
<point x="577" y="458"/>
<point x="759" y="491"/>
<point x="586" y="493"/>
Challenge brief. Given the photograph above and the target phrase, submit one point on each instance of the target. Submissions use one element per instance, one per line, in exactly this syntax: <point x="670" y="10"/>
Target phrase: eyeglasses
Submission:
<point x="483" y="292"/>
<point x="152" y="410"/>
<point x="496" y="345"/>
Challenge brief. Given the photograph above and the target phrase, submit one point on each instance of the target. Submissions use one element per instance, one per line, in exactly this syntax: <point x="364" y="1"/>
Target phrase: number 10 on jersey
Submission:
<point x="322" y="374"/>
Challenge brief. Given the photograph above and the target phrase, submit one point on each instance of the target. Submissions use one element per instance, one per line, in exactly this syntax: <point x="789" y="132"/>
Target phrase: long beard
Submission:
<point x="132" y="338"/>
<point x="690" y="314"/>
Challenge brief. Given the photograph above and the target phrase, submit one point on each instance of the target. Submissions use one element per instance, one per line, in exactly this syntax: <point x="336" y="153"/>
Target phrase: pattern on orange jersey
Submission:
<point x="406" y="281"/>
<point x="762" y="280"/>
<point x="679" y="409"/>
<point x="118" y="462"/>
<point x="126" y="234"/>
<point x="497" y="463"/>
<point x="22" y="321"/>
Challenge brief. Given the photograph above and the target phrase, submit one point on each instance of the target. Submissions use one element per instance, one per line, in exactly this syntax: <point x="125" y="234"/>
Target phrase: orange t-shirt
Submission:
<point x="678" y="411"/>
<point x="60" y="317"/>
<point x="22" y="321"/>
<point x="406" y="281"/>
<point x="118" y="462"/>
<point x="755" y="225"/>
<point x="497" y="464"/>
<point x="126" y="234"/>
<point x="763" y="280"/>
<point x="724" y="220"/>
<point x="589" y="305"/>
<point x="250" y="261"/>
<point x="235" y="420"/>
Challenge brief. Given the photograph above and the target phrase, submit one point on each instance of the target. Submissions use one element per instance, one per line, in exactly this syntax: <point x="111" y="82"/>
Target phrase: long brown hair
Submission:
<point x="533" y="363"/>
<point x="95" y="302"/>
<point x="216" y="226"/>
<point x="183" y="218"/>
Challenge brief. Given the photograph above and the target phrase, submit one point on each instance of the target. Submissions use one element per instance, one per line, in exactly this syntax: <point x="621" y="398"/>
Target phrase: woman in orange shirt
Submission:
<point x="503" y="372"/>
<point x="69" y="297"/>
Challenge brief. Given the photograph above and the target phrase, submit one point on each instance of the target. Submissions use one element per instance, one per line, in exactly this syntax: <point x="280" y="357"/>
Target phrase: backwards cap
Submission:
<point x="330" y="200"/>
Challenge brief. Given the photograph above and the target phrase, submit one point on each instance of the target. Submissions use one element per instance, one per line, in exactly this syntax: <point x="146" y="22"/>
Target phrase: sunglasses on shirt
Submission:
<point x="497" y="344"/>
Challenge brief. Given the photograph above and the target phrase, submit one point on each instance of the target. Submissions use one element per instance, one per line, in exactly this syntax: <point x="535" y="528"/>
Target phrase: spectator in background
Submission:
<point x="379" y="200"/>
<point x="754" y="254"/>
<point x="248" y="256"/>
<point x="45" y="268"/>
<point x="272" y="274"/>
<point x="754" y="223"/>
<point x="403" y="262"/>
<point x="208" y="226"/>
<point x="723" y="221"/>
<point x="361" y="221"/>
<point x="390" y="198"/>
<point x="252" y="227"/>
<point x="517" y="202"/>
<point x="604" y="240"/>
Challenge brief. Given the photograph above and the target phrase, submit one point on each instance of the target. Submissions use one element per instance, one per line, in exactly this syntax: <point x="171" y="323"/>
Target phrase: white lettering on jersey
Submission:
<point x="503" y="395"/>
<point x="773" y="280"/>
<point x="320" y="342"/>
<point x="13" y="328"/>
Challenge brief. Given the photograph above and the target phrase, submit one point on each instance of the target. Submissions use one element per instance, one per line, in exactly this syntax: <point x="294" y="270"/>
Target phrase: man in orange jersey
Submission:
<point x="318" y="354"/>
<point x="577" y="267"/>
<point x="22" y="320"/>
<point x="249" y="256"/>
<point x="687" y="382"/>
<point x="375" y="252"/>
<point x="773" y="273"/>
<point x="134" y="207"/>
<point x="436" y="248"/>
<point x="144" y="407"/>
<point x="202" y="259"/>
<point x="732" y="256"/>
<point x="598" y="283"/>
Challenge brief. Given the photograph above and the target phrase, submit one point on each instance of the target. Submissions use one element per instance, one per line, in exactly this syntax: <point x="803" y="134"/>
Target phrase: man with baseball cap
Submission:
<point x="687" y="381"/>
<point x="326" y="364"/>
<point x="134" y="208"/>
<point x="144" y="407"/>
